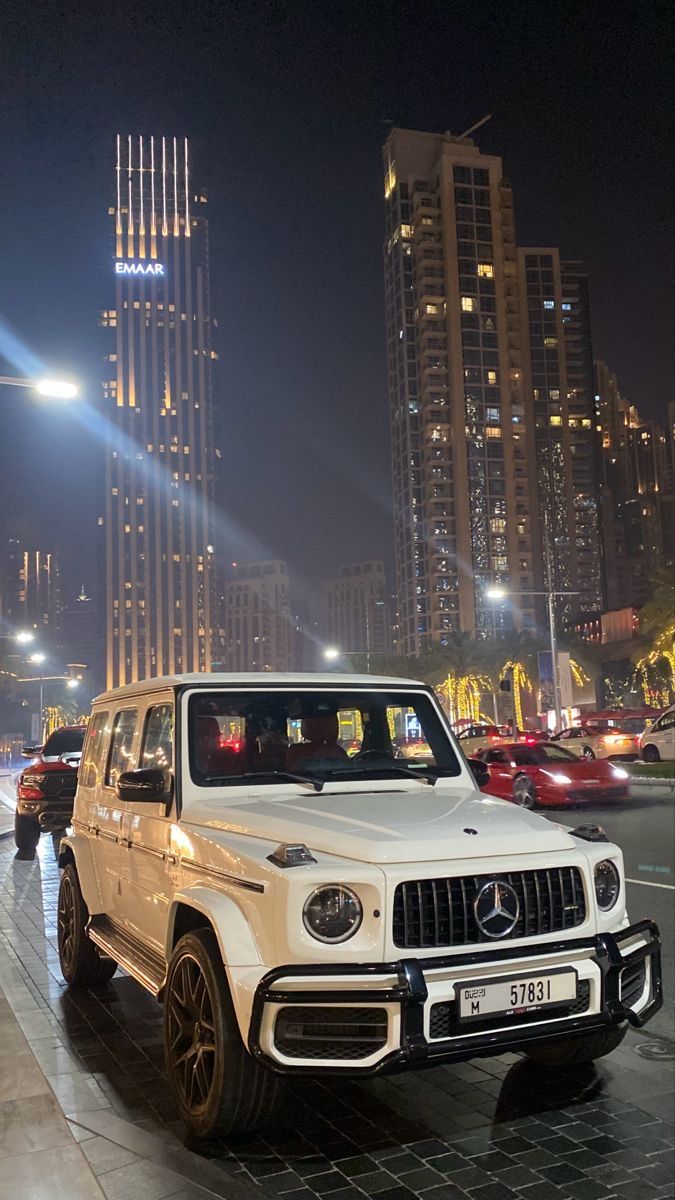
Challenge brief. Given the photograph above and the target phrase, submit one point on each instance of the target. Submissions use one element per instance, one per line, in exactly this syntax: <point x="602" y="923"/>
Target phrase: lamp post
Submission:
<point x="51" y="389"/>
<point x="497" y="593"/>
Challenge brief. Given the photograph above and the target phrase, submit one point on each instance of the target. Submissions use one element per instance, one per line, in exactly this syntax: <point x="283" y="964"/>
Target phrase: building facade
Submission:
<point x="158" y="520"/>
<point x="638" y="494"/>
<point x="560" y="382"/>
<point x="31" y="590"/>
<point x="464" y="481"/>
<point x="259" y="628"/>
<point x="356" y="605"/>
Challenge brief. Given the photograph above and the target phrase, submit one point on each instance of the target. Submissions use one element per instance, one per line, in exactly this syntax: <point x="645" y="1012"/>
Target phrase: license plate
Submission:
<point x="521" y="993"/>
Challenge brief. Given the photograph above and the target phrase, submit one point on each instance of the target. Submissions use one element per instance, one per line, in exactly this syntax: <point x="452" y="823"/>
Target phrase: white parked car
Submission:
<point x="658" y="741"/>
<point x="618" y="742"/>
<point x="302" y="911"/>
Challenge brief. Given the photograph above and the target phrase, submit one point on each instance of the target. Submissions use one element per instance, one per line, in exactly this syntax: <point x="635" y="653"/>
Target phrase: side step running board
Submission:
<point x="148" y="967"/>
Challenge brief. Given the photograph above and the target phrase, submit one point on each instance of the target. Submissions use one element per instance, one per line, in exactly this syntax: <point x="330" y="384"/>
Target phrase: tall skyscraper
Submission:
<point x="159" y="479"/>
<point x="31" y="591"/>
<point x="559" y="378"/>
<point x="357" y="609"/>
<point x="259" y="628"/>
<point x="464" y="480"/>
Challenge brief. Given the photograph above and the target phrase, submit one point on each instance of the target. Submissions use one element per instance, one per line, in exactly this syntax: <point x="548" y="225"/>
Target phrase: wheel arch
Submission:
<point x="198" y="907"/>
<point x="77" y="850"/>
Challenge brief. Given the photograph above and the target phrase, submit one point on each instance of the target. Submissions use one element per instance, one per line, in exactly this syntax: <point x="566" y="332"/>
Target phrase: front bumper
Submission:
<point x="407" y="991"/>
<point x="50" y="814"/>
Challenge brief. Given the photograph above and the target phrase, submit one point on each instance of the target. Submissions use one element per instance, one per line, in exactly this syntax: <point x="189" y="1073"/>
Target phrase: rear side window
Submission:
<point x="93" y="758"/>
<point x="158" y="738"/>
<point x="121" y="745"/>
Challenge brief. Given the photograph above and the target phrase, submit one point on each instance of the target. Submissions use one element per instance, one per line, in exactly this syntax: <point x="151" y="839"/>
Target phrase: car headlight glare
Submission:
<point x="607" y="884"/>
<point x="332" y="913"/>
<point x="558" y="777"/>
<point x="619" y="773"/>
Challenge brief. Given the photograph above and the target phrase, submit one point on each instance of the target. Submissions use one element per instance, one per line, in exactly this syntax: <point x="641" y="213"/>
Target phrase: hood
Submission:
<point x="419" y="824"/>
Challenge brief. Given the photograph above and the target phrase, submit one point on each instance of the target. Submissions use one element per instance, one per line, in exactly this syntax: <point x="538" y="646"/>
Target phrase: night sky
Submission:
<point x="287" y="106"/>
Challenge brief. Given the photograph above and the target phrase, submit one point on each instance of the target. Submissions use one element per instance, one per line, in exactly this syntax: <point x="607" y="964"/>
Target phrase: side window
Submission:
<point x="158" y="738"/>
<point x="91" y="769"/>
<point x="119" y="759"/>
<point x="667" y="722"/>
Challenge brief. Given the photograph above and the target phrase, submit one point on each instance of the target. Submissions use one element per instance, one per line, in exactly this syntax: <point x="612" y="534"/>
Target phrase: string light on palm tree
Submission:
<point x="521" y="682"/>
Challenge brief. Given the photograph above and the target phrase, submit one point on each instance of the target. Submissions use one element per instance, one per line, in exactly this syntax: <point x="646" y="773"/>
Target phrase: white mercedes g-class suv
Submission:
<point x="302" y="869"/>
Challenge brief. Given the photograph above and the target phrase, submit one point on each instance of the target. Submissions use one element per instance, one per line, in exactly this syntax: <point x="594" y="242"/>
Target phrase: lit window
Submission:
<point x="549" y="304"/>
<point x="586" y="422"/>
<point x="556" y="420"/>
<point x="554" y="393"/>
<point x="492" y="376"/>
<point x="493" y="431"/>
<point x="486" y="270"/>
<point x="498" y="525"/>
<point x="432" y="309"/>
<point x="468" y="304"/>
<point x="550" y="341"/>
<point x="566" y="307"/>
<point x="406" y="231"/>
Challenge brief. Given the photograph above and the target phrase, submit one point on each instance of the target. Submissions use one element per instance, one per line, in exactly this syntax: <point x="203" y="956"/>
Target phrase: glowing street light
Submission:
<point x="37" y="658"/>
<point x="24" y="637"/>
<point x="331" y="653"/>
<point x="73" y="683"/>
<point x="51" y="389"/>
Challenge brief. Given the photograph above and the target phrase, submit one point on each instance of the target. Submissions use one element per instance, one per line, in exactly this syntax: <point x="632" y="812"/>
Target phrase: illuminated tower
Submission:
<point x="159" y="475"/>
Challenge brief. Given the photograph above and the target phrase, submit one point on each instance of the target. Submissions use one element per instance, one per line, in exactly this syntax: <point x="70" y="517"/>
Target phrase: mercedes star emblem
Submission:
<point x="496" y="909"/>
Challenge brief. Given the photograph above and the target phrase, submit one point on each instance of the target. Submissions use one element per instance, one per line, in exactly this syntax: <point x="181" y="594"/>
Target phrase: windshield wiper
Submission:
<point x="287" y="776"/>
<point x="406" y="772"/>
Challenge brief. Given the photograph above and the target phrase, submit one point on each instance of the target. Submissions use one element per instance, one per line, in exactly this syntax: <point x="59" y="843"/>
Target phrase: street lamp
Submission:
<point x="51" y="389"/>
<point x="37" y="657"/>
<point x="498" y="593"/>
<point x="24" y="638"/>
<point x="331" y="653"/>
<point x="72" y="684"/>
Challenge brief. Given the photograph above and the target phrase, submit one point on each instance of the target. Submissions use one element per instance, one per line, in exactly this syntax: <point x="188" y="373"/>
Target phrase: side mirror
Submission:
<point x="30" y="751"/>
<point x="148" y="785"/>
<point x="480" y="771"/>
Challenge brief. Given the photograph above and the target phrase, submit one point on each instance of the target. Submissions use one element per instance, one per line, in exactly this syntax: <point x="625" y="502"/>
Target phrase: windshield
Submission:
<point x="63" y="741"/>
<point x="539" y="755"/>
<point x="320" y="735"/>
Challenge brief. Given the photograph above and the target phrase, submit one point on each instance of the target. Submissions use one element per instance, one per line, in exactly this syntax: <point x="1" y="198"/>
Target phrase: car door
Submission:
<point x="665" y="736"/>
<point x="107" y="812"/>
<point x="147" y="876"/>
<point x="501" y="772"/>
<point x="571" y="740"/>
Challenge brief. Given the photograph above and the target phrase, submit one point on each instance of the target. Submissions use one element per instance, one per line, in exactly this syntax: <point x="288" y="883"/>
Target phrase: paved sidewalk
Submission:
<point x="492" y="1129"/>
<point x="7" y="805"/>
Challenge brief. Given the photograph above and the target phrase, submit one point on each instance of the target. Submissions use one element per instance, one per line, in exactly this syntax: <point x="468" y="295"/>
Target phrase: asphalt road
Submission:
<point x="644" y="828"/>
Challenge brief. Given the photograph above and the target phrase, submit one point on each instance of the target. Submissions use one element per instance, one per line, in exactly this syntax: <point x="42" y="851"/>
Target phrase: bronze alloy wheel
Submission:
<point x="66" y="917"/>
<point x="191" y="1042"/>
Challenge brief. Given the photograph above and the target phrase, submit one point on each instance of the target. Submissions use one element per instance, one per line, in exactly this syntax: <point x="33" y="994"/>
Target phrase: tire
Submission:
<point x="524" y="792"/>
<point x="588" y="752"/>
<point x="231" y="1094"/>
<point x="82" y="963"/>
<point x="26" y="834"/>
<point x="651" y="754"/>
<point x="575" y="1051"/>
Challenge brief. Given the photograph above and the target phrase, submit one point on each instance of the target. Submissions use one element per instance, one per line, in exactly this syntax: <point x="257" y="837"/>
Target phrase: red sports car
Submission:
<point x="548" y="774"/>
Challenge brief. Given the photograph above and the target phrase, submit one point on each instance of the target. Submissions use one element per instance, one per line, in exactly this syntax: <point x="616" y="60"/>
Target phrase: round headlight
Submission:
<point x="607" y="885"/>
<point x="332" y="913"/>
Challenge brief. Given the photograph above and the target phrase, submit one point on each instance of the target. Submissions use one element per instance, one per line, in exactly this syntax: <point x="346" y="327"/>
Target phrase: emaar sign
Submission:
<point x="139" y="268"/>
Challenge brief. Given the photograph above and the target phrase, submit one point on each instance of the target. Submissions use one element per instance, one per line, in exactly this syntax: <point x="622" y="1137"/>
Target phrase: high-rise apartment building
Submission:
<point x="159" y="478"/>
<point x="259" y="627"/>
<point x="79" y="634"/>
<point x="464" y="480"/>
<point x="559" y="380"/>
<point x="31" y="590"/>
<point x="638" y="494"/>
<point x="357" y="609"/>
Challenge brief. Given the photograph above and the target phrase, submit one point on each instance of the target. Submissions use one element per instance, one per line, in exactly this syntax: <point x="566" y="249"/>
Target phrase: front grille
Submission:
<point x="632" y="984"/>
<point x="59" y="785"/>
<point x="444" y="1020"/>
<point x="439" y="912"/>
<point x="330" y="1033"/>
<point x="609" y="793"/>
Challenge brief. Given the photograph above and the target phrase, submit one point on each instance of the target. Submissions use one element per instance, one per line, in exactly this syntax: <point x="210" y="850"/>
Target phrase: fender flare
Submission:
<point x="236" y="941"/>
<point x="77" y="849"/>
